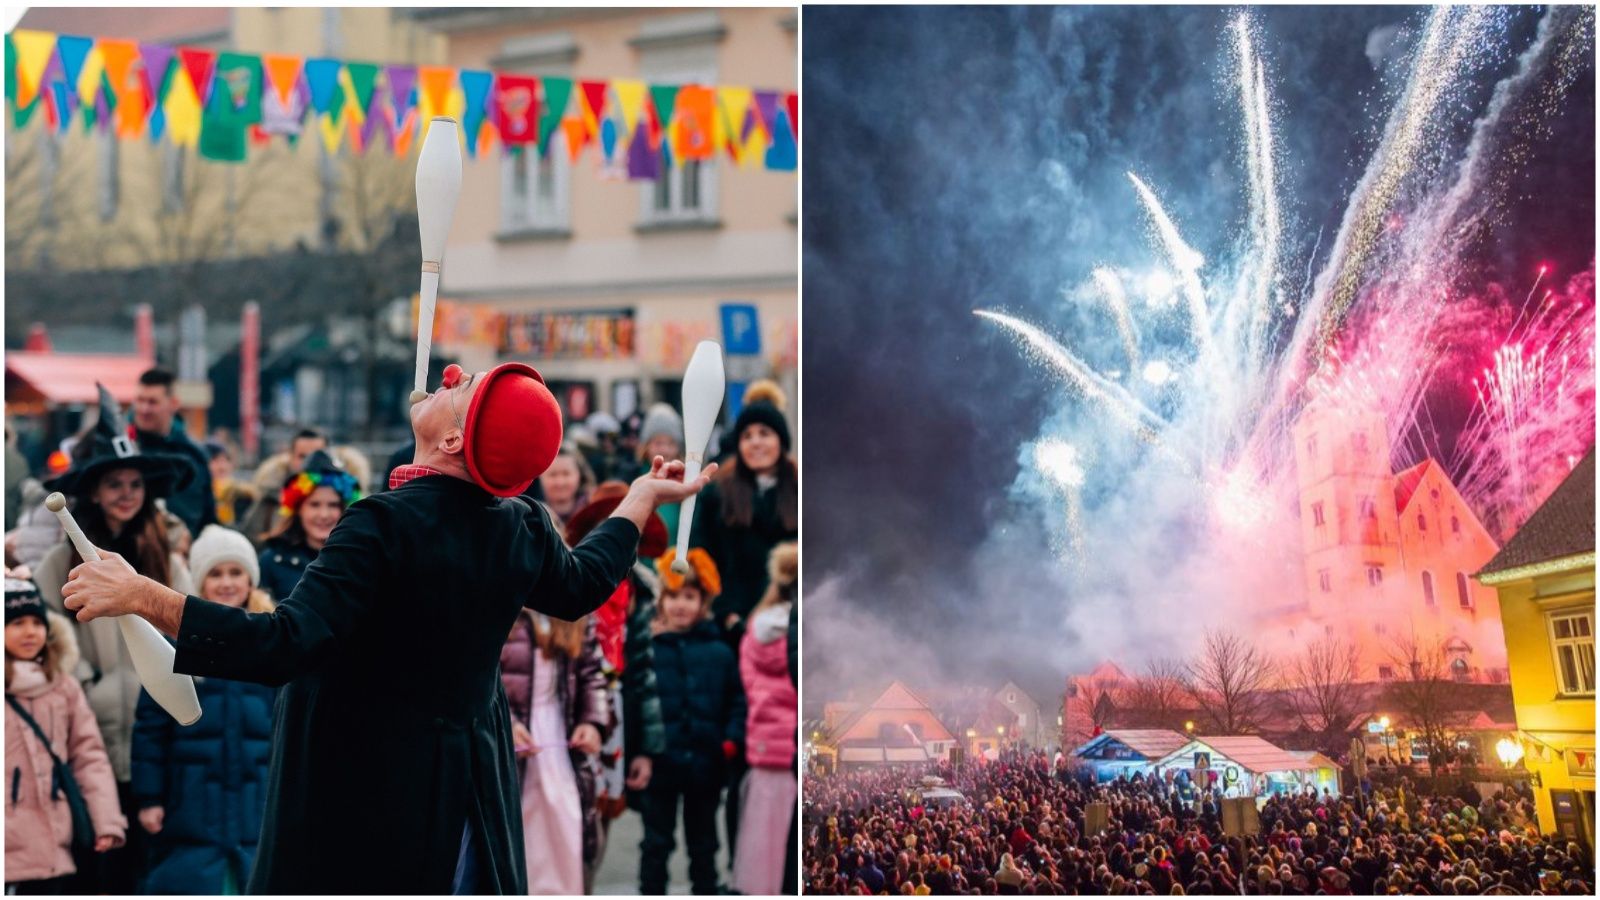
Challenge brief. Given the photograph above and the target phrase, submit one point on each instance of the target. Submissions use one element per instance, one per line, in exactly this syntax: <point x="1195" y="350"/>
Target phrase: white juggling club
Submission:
<point x="703" y="385"/>
<point x="152" y="655"/>
<point x="438" y="189"/>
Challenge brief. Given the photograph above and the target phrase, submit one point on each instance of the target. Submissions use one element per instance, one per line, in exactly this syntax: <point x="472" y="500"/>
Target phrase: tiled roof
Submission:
<point x="142" y="23"/>
<point x="1151" y="743"/>
<point x="1405" y="483"/>
<point x="1563" y="526"/>
<point x="1255" y="754"/>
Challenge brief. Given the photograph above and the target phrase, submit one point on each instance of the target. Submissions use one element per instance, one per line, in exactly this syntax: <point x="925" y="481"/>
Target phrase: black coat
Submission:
<point x="282" y="564"/>
<point x="702" y="704"/>
<point x="740" y="552"/>
<point x="196" y="505"/>
<point x="211" y="780"/>
<point x="393" y="732"/>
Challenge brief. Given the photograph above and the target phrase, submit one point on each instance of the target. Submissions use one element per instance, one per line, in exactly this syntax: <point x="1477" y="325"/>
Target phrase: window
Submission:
<point x="1374" y="576"/>
<point x="110" y="187"/>
<point x="1325" y="579"/>
<point x="1422" y="523"/>
<point x="1427" y="589"/>
<point x="1316" y="514"/>
<point x="684" y="192"/>
<point x="1435" y="494"/>
<point x="1369" y="508"/>
<point x="1386" y="673"/>
<point x="1455" y="525"/>
<point x="1011" y="696"/>
<point x="1572" y="641"/>
<point x="1463" y="590"/>
<point x="172" y="159"/>
<point x="536" y="191"/>
<point x="1459" y="670"/>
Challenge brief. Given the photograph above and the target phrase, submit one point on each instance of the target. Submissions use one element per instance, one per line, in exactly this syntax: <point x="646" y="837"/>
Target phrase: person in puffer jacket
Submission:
<point x="201" y="789"/>
<point x="768" y="791"/>
<point x="556" y="687"/>
<point x="41" y="652"/>
<point x="703" y="710"/>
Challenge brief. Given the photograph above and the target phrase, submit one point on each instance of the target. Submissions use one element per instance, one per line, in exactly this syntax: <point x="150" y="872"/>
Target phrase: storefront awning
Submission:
<point x="60" y="379"/>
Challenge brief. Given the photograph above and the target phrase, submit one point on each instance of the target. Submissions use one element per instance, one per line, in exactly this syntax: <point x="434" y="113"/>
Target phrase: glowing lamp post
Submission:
<point x="1188" y="726"/>
<point x="1509" y="751"/>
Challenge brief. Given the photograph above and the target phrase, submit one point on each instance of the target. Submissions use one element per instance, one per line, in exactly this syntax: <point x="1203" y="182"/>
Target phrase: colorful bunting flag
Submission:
<point x="552" y="109"/>
<point x="225" y="103"/>
<point x="516" y="108"/>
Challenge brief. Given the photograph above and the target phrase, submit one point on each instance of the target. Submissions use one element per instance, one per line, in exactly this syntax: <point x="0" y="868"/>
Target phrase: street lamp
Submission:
<point x="1509" y="751"/>
<point x="1188" y="726"/>
<point x="1383" y="723"/>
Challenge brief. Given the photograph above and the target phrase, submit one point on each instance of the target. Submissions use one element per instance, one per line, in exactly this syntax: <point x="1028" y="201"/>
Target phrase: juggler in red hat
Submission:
<point x="512" y="430"/>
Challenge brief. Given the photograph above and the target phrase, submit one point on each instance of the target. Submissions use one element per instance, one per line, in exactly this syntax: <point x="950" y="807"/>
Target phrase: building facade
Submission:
<point x="607" y="284"/>
<point x="1387" y="556"/>
<point x="1545" y="577"/>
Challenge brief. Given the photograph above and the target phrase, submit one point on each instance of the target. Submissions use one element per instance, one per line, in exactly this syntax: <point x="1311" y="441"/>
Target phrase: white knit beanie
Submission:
<point x="661" y="419"/>
<point x="216" y="545"/>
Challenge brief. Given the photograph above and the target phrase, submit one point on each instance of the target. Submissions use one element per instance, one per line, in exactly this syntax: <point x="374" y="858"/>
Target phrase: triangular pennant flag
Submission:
<point x="47" y="102"/>
<point x="402" y="90"/>
<point x="697" y="131"/>
<point x="234" y="105"/>
<point x="125" y="74"/>
<point x="66" y="102"/>
<point x="644" y="161"/>
<point x="577" y="134"/>
<point x="405" y="132"/>
<point x="11" y="72"/>
<point x="767" y="108"/>
<point x="378" y="118"/>
<point x="792" y="102"/>
<point x="594" y="103"/>
<point x="157" y="70"/>
<point x="89" y="79"/>
<point x="201" y="66"/>
<point x="181" y="109"/>
<point x="664" y="100"/>
<point x="34" y="49"/>
<point x="455" y="105"/>
<point x="476" y="86"/>
<point x="322" y="78"/>
<point x="486" y="135"/>
<point x="105" y="103"/>
<point x="554" y="107"/>
<point x="782" y="156"/>
<point x="21" y="114"/>
<point x="353" y="128"/>
<point x="283" y="73"/>
<point x="630" y="102"/>
<point x="332" y="132"/>
<point x="735" y="103"/>
<point x="285" y="116"/>
<point x="516" y="108"/>
<point x="754" y="141"/>
<point x="434" y="84"/>
<point x="350" y="106"/>
<point x="363" y="79"/>
<point x="73" y="50"/>
<point x="608" y="138"/>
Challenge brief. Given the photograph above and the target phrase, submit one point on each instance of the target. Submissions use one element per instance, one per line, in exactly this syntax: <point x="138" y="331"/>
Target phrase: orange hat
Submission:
<point x="513" y="429"/>
<point x="602" y="503"/>
<point x="705" y="571"/>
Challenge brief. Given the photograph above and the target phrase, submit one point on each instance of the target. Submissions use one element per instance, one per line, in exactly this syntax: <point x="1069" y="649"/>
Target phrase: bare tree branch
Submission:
<point x="1323" y="689"/>
<point x="1229" y="681"/>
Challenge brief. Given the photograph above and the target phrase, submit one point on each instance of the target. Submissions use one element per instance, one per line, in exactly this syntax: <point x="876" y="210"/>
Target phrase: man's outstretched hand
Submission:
<point x="111" y="587"/>
<point x="664" y="482"/>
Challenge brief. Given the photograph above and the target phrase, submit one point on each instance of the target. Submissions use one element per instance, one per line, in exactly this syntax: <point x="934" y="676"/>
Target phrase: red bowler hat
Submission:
<point x="602" y="503"/>
<point x="513" y="429"/>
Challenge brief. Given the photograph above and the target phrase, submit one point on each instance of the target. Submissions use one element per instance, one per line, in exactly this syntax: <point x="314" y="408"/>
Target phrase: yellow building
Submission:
<point x="1545" y="577"/>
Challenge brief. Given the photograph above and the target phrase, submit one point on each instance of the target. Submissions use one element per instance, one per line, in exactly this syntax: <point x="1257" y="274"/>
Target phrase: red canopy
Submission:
<point x="64" y="378"/>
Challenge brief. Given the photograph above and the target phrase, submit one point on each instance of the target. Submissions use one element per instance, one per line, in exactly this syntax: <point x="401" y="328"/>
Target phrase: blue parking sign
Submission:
<point x="741" y="329"/>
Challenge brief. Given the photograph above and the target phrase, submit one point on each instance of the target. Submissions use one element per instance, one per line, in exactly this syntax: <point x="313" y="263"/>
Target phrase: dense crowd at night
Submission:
<point x="1022" y="831"/>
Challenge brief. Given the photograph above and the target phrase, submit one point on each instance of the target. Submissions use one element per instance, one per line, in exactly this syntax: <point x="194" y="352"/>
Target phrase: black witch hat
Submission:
<point x="110" y="446"/>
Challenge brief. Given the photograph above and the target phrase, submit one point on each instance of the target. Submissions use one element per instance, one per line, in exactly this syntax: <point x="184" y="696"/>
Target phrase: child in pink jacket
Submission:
<point x="41" y="652"/>
<point x="768" y="792"/>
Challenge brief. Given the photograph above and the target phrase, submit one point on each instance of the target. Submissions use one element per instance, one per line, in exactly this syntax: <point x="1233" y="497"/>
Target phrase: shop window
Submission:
<point x="1427" y="589"/>
<point x="1463" y="590"/>
<point x="1572" y="642"/>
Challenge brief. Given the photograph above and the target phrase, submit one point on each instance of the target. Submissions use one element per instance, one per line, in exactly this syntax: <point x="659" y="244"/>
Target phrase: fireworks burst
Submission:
<point x="1373" y="330"/>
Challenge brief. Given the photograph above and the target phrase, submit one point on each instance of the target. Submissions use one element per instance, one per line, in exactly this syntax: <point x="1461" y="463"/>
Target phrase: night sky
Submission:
<point x="957" y="158"/>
